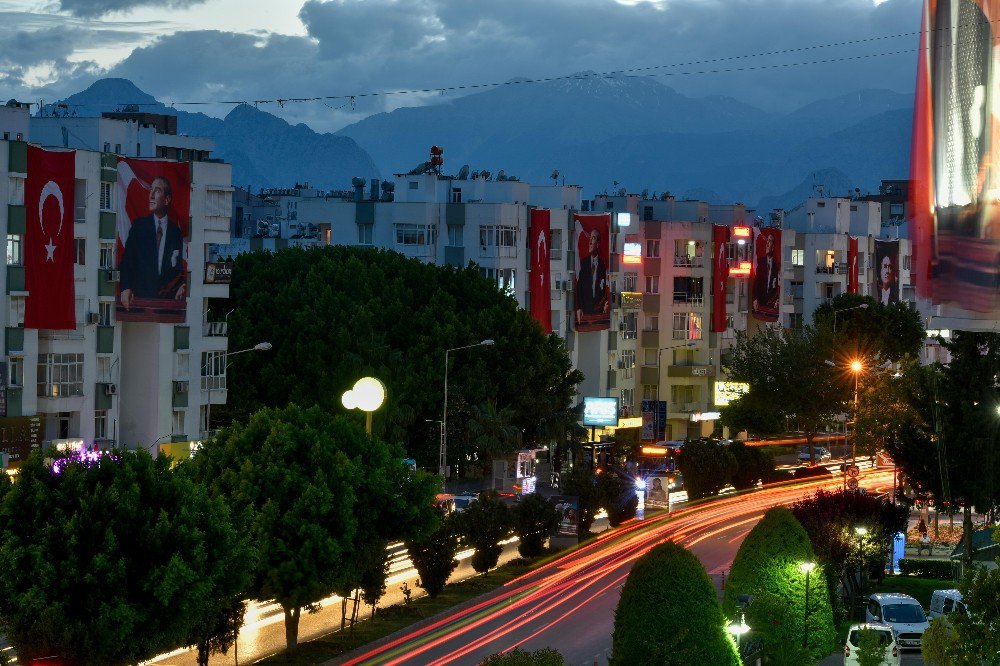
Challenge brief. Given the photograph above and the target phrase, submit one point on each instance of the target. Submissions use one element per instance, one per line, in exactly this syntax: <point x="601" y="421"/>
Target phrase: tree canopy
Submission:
<point x="335" y="314"/>
<point x="867" y="328"/>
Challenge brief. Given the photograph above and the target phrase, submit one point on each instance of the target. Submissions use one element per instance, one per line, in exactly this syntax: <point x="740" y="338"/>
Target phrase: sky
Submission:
<point x="233" y="50"/>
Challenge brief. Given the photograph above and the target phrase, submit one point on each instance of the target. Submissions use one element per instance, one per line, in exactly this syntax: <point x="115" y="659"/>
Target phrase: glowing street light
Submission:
<point x="368" y="394"/>
<point x="806" y="568"/>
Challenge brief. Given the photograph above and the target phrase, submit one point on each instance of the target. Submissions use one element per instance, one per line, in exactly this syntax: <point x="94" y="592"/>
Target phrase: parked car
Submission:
<point x="463" y="501"/>
<point x="901" y="612"/>
<point x="944" y="602"/>
<point x="887" y="636"/>
<point x="822" y="454"/>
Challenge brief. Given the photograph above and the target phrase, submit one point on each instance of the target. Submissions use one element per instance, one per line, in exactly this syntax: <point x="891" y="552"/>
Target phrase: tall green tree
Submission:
<point x="484" y="523"/>
<point x="113" y="562"/>
<point x="977" y="640"/>
<point x="433" y="554"/>
<point x="534" y="518"/>
<point x="753" y="465"/>
<point x="492" y="433"/>
<point x="866" y="328"/>
<point x="338" y="313"/>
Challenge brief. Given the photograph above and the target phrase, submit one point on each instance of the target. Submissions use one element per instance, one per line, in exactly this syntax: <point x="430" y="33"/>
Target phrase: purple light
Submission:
<point x="85" y="458"/>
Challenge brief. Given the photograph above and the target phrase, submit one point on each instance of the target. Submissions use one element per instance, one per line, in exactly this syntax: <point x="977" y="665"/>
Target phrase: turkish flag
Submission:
<point x="48" y="240"/>
<point x="852" y="265"/>
<point x="720" y="273"/>
<point x="539" y="240"/>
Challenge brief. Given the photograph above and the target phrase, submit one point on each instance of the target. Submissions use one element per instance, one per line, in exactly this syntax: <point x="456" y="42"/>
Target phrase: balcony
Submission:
<point x="684" y="261"/>
<point x="689" y="298"/>
<point x="215" y="329"/>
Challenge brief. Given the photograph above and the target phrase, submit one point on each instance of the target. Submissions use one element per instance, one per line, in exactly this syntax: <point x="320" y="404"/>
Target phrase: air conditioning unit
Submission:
<point x="111" y="389"/>
<point x="93" y="318"/>
<point x="180" y="387"/>
<point x="114" y="276"/>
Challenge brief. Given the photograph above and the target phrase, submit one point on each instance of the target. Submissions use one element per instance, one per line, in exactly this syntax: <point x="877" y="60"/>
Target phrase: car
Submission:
<point x="944" y="602"/>
<point x="887" y="636"/>
<point x="822" y="454"/>
<point x="463" y="501"/>
<point x="901" y="612"/>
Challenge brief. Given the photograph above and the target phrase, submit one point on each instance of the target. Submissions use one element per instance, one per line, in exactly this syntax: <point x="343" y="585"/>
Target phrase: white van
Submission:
<point x="886" y="635"/>
<point x="901" y="612"/>
<point x="944" y="602"/>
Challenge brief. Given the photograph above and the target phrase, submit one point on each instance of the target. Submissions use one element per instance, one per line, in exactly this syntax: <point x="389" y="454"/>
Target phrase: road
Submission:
<point x="569" y="604"/>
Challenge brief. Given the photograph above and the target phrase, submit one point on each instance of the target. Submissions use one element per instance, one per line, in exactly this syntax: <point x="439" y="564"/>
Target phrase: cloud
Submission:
<point x="96" y="8"/>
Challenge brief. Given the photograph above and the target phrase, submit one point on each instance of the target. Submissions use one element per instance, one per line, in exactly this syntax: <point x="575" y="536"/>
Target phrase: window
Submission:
<point x="896" y="209"/>
<point x="652" y="249"/>
<point x="104" y="364"/>
<point x="505" y="280"/>
<point x="628" y="362"/>
<point x="796" y="289"/>
<point x="905" y="260"/>
<point x="15" y="313"/>
<point x="555" y="240"/>
<point x="107" y="256"/>
<point x="456" y="195"/>
<point x="416" y="234"/>
<point x="106" y="202"/>
<point x="652" y="323"/>
<point x="218" y="203"/>
<point x="182" y="366"/>
<point x="829" y="291"/>
<point x="687" y="326"/>
<point x="365" y="234"/>
<point x="80" y="251"/>
<point x="104" y="311"/>
<point x="213" y="370"/>
<point x="630" y="326"/>
<point x="650" y="356"/>
<point x="627" y="400"/>
<point x="826" y="261"/>
<point x="456" y="235"/>
<point x="118" y="148"/>
<point x="649" y="392"/>
<point x="107" y="147"/>
<point x="414" y="185"/>
<point x="15" y="371"/>
<point x="798" y="257"/>
<point x="683" y="395"/>
<point x="16" y="191"/>
<point x="688" y="252"/>
<point x="497" y="241"/>
<point x="820" y="204"/>
<point x="630" y="282"/>
<point x="100" y="424"/>
<point x="177" y="422"/>
<point x="795" y="321"/>
<point x="647" y="213"/>
<point x="689" y="290"/>
<point x="14" y="257"/>
<point x="652" y="284"/>
<point x="60" y="375"/>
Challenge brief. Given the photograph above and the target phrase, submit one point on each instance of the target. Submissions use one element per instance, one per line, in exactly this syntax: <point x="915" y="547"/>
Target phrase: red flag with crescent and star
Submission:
<point x="540" y="238"/>
<point x="720" y="273"/>
<point x="48" y="239"/>
<point x="852" y="265"/>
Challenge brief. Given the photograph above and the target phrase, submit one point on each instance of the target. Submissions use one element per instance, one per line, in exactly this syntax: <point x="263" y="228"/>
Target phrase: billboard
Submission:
<point x="20" y="435"/>
<point x="657" y="490"/>
<point x="539" y="240"/>
<point x="592" y="291"/>
<point x="955" y="158"/>
<point x="218" y="272"/>
<point x="153" y="228"/>
<point x="568" y="509"/>
<point x="726" y="392"/>
<point x="600" y="412"/>
<point x="766" y="274"/>
<point x="885" y="289"/>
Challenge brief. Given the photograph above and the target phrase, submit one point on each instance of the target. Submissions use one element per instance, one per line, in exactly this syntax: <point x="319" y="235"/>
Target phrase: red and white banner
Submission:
<point x="154" y="203"/>
<point x="720" y="275"/>
<point x="592" y="290"/>
<point x="539" y="240"/>
<point x="48" y="239"/>
<point x="852" y="265"/>
<point x="766" y="274"/>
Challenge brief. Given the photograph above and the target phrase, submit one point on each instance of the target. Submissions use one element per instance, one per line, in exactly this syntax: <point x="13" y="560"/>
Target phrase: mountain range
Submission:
<point x="603" y="133"/>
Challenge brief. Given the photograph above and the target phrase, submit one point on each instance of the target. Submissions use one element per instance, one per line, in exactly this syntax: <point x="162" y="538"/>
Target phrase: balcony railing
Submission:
<point x="682" y="260"/>
<point x="689" y="298"/>
<point x="215" y="329"/>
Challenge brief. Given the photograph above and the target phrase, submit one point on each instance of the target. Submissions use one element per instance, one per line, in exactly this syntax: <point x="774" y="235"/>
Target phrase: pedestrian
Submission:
<point x="925" y="540"/>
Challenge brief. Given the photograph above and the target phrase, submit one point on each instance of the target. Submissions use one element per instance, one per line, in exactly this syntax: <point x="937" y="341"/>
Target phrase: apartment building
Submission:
<point x="107" y="382"/>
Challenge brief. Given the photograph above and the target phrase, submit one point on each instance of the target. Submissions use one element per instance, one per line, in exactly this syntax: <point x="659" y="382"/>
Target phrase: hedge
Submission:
<point x="668" y="614"/>
<point x="940" y="569"/>
<point x="519" y="657"/>
<point x="767" y="567"/>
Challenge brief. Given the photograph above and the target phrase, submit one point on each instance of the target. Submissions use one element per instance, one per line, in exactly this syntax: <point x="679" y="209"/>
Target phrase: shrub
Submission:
<point x="871" y="652"/>
<point x="937" y="643"/>
<point x="939" y="569"/>
<point x="483" y="524"/>
<point x="534" y="519"/>
<point x="668" y="614"/>
<point x="618" y="497"/>
<point x="519" y="657"/>
<point x="753" y="464"/>
<point x="767" y="566"/>
<point x="707" y="468"/>
<point x="433" y="556"/>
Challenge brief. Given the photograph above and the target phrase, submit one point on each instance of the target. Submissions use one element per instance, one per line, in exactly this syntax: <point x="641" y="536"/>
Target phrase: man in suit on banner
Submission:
<point x="152" y="264"/>
<point x="592" y="283"/>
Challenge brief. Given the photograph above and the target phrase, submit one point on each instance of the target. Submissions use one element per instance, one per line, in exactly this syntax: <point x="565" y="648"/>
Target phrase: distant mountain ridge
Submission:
<point x="265" y="150"/>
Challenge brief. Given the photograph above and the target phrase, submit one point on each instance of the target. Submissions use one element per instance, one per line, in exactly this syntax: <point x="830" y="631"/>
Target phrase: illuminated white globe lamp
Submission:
<point x="367" y="394"/>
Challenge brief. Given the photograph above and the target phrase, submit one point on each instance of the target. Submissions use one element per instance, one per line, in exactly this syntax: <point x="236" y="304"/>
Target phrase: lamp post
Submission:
<point x="863" y="306"/>
<point x="861" y="532"/>
<point x="737" y="629"/>
<point x="856" y="366"/>
<point x="367" y="394"/>
<point x="260" y="346"/>
<point x="806" y="567"/>
<point x="443" y="457"/>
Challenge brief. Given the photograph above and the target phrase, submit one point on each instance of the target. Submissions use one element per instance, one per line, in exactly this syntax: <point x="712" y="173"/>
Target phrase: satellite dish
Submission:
<point x="555" y="174"/>
<point x="501" y="175"/>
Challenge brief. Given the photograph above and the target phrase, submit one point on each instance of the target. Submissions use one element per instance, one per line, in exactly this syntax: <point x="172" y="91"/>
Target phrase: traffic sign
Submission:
<point x="852" y="483"/>
<point x="853" y="470"/>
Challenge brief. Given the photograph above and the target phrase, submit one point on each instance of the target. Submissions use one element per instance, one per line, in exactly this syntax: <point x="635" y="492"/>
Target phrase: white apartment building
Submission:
<point x="110" y="383"/>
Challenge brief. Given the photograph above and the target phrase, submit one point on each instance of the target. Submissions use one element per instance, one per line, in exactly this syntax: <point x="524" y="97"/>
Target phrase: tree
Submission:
<point x="767" y="566"/>
<point x="395" y="317"/>
<point x="938" y="643"/>
<point x="653" y="626"/>
<point x="433" y="554"/>
<point x="707" y="468"/>
<point x="492" y="434"/>
<point x="789" y="383"/>
<point x="618" y="496"/>
<point x="313" y="490"/>
<point x="752" y="465"/>
<point x="484" y="523"/>
<point x="534" y="518"/>
<point x="581" y="483"/>
<point x="977" y="639"/>
<point x="519" y="657"/>
<point x="886" y="332"/>
<point x="112" y="562"/>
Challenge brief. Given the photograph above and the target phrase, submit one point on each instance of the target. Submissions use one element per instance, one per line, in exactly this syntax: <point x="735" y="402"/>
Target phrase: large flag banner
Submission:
<point x="153" y="231"/>
<point x="48" y="239"/>
<point x="720" y="274"/>
<point x="852" y="265"/>
<point x="766" y="274"/>
<point x="886" y="286"/>
<point x="955" y="158"/>
<point x="539" y="239"/>
<point x="592" y="290"/>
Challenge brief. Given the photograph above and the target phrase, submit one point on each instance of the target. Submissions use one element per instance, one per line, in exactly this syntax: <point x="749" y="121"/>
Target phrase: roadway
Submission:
<point x="569" y="604"/>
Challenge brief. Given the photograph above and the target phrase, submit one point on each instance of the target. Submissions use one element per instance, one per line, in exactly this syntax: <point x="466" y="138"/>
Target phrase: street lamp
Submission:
<point x="863" y="306"/>
<point x="443" y="457"/>
<point x="260" y="346"/>
<point x="855" y="366"/>
<point x="737" y="629"/>
<point x="367" y="394"/>
<point x="861" y="531"/>
<point x="806" y="567"/>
